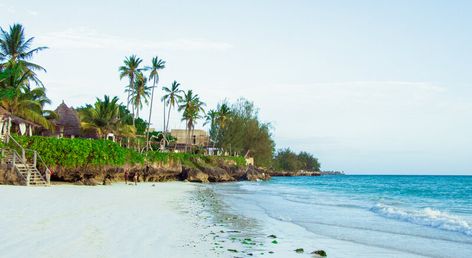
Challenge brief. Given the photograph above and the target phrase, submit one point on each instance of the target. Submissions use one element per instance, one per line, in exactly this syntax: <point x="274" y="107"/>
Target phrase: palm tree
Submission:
<point x="172" y="97"/>
<point x="192" y="106"/>
<point x="130" y="69"/>
<point x="211" y="118"/>
<point x="15" y="49"/>
<point x="218" y="119"/>
<point x="156" y="65"/>
<point x="224" y="114"/>
<point x="139" y="94"/>
<point x="104" y="117"/>
<point x="19" y="99"/>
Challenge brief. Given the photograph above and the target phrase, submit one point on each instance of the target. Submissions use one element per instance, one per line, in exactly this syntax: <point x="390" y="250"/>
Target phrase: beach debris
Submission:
<point x="274" y="242"/>
<point x="272" y="236"/>
<point x="299" y="250"/>
<point x="321" y="253"/>
<point x="233" y="250"/>
<point x="271" y="252"/>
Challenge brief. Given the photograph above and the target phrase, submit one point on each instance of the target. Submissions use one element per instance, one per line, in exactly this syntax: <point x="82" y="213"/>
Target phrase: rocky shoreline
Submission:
<point x="195" y="171"/>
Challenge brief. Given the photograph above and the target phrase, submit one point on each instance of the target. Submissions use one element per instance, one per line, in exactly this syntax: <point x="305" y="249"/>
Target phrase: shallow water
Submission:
<point x="427" y="216"/>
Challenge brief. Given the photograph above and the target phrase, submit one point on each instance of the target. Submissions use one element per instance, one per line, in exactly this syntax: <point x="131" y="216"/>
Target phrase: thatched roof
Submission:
<point x="16" y="119"/>
<point x="68" y="119"/>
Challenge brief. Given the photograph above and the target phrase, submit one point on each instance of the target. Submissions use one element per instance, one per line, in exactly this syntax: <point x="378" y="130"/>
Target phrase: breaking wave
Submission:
<point x="425" y="217"/>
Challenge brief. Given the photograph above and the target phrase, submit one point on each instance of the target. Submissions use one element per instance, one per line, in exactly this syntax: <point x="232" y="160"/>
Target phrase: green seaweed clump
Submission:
<point x="320" y="253"/>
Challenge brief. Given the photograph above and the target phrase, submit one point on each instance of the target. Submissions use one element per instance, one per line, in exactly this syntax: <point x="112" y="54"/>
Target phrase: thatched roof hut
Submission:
<point x="15" y="119"/>
<point x="67" y="122"/>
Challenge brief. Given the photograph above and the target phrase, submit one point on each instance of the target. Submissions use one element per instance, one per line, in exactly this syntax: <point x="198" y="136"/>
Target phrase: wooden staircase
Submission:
<point x="27" y="171"/>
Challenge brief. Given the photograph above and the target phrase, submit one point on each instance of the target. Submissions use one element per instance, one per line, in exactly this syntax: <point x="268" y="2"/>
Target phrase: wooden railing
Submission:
<point x="36" y="159"/>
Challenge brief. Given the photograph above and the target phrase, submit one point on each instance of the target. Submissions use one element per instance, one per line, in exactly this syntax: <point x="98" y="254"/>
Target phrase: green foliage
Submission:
<point x="76" y="153"/>
<point x="240" y="131"/>
<point x="288" y="160"/>
<point x="189" y="158"/>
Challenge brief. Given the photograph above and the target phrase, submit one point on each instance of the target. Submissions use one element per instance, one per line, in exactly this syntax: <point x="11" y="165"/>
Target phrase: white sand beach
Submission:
<point x="104" y="221"/>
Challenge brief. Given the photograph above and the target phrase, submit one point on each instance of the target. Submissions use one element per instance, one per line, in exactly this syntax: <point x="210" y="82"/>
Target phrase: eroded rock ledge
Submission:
<point x="196" y="171"/>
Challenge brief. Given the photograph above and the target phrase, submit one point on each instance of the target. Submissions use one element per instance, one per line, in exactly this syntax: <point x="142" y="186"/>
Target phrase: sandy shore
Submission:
<point x="103" y="221"/>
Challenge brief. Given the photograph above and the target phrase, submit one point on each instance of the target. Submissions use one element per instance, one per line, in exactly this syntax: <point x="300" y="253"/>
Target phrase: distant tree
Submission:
<point x="192" y="108"/>
<point x="240" y="131"/>
<point x="287" y="160"/>
<point x="309" y="162"/>
<point x="172" y="96"/>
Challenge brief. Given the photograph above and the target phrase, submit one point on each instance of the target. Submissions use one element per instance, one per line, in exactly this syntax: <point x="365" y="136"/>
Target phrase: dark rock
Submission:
<point x="299" y="250"/>
<point x="320" y="253"/>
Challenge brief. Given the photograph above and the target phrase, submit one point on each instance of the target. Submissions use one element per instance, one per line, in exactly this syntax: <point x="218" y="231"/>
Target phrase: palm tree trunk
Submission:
<point x="186" y="131"/>
<point x="164" y="126"/>
<point x="148" y="143"/>
<point x="131" y="80"/>
<point x="168" y="117"/>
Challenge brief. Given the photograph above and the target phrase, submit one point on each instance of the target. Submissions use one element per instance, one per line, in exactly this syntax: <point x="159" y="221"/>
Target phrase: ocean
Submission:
<point x="372" y="216"/>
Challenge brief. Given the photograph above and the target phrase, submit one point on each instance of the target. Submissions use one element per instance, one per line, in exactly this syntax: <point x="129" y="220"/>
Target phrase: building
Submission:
<point x="198" y="137"/>
<point x="10" y="123"/>
<point x="67" y="123"/>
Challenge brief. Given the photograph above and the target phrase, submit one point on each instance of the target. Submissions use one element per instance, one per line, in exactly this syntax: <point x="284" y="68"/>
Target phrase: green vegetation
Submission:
<point x="237" y="130"/>
<point x="192" y="108"/>
<point x="18" y="75"/>
<point x="288" y="160"/>
<point x="75" y="153"/>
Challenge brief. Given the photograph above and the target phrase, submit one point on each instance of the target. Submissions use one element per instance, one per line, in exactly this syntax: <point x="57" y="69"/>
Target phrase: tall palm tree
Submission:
<point x="139" y="94"/>
<point x="130" y="69"/>
<point x="156" y="65"/>
<point x="172" y="97"/>
<point x="192" y="108"/>
<point x="15" y="49"/>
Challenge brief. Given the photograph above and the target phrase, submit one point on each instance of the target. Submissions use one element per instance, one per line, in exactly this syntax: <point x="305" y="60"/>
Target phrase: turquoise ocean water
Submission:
<point x="429" y="216"/>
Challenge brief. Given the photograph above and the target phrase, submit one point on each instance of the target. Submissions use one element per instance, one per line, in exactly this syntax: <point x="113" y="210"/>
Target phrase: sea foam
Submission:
<point x="425" y="217"/>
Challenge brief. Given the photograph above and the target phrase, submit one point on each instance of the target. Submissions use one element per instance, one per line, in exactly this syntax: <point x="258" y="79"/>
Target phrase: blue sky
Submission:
<point x="367" y="86"/>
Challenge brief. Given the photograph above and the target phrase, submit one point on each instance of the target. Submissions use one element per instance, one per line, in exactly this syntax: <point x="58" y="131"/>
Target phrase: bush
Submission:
<point x="78" y="152"/>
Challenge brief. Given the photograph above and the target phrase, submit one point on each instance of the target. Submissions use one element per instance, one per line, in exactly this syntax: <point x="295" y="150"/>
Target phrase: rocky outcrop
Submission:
<point x="8" y="178"/>
<point x="254" y="174"/>
<point x="196" y="171"/>
<point x="194" y="175"/>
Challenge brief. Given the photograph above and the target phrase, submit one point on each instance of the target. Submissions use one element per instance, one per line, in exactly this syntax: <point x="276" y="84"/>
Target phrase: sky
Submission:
<point x="368" y="87"/>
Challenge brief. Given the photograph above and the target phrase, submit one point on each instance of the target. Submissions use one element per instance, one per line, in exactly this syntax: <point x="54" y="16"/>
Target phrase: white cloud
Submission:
<point x="88" y="38"/>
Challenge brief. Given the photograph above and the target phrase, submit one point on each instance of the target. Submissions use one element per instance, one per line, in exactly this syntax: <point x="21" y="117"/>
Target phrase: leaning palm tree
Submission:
<point x="130" y="69"/>
<point x="156" y="65"/>
<point x="16" y="49"/>
<point x="172" y="97"/>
